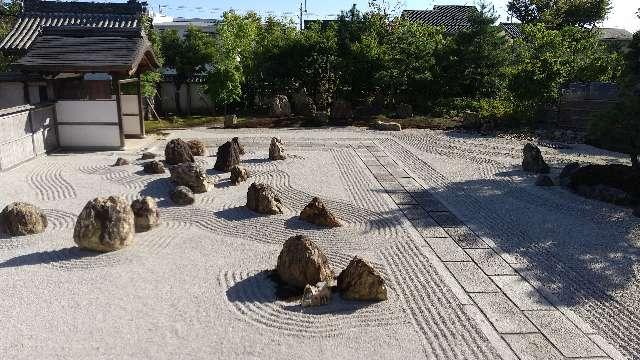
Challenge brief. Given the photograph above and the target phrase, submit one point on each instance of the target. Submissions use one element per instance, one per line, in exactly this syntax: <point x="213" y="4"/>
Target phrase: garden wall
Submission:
<point x="26" y="132"/>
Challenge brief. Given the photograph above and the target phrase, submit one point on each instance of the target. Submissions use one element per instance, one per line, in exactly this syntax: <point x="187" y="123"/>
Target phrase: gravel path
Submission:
<point x="480" y="264"/>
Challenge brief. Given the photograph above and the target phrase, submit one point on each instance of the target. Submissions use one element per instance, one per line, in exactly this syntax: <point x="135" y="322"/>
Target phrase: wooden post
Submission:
<point x="140" y="107"/>
<point x="25" y="93"/>
<point x="116" y="80"/>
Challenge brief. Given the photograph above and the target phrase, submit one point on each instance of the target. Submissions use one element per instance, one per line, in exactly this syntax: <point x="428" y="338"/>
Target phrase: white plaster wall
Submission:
<point x="89" y="136"/>
<point x="11" y="94"/>
<point x="105" y="111"/>
<point x="129" y="104"/>
<point x="131" y="125"/>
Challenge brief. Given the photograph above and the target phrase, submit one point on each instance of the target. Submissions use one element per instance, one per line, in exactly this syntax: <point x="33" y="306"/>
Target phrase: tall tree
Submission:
<point x="188" y="56"/>
<point x="560" y="13"/>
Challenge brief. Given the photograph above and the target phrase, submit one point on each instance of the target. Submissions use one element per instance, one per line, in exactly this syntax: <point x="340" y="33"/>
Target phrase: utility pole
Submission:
<point x="302" y="12"/>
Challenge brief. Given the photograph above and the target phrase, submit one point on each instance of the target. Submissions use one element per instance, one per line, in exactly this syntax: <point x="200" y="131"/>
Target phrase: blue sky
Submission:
<point x="622" y="15"/>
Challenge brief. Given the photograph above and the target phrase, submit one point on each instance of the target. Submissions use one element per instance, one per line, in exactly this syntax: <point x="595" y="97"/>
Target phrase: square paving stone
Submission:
<point x="378" y="169"/>
<point x="413" y="212"/>
<point x="402" y="198"/>
<point x="447" y="250"/>
<point x="410" y="184"/>
<point x="371" y="162"/>
<point x="503" y="314"/>
<point x="521" y="293"/>
<point x="445" y="219"/>
<point x="490" y="262"/>
<point x="532" y="347"/>
<point x="471" y="277"/>
<point x="391" y="185"/>
<point x="385" y="160"/>
<point x="384" y="177"/>
<point x="398" y="172"/>
<point x="427" y="227"/>
<point x="466" y="238"/>
<point x="564" y="334"/>
<point x="430" y="203"/>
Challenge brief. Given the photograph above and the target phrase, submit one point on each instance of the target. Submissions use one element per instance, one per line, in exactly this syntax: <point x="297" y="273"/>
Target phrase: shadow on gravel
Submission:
<point x="575" y="247"/>
<point x="265" y="287"/>
<point x="239" y="213"/>
<point x="49" y="257"/>
<point x="159" y="189"/>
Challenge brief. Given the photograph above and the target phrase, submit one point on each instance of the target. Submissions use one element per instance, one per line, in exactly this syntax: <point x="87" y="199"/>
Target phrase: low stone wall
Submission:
<point x="26" y="132"/>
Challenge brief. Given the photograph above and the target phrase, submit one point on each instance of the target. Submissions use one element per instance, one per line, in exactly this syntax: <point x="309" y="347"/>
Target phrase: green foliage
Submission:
<point x="150" y="79"/>
<point x="560" y="13"/>
<point x="618" y="129"/>
<point x="223" y="84"/>
<point x="8" y="13"/>
<point x="545" y="60"/>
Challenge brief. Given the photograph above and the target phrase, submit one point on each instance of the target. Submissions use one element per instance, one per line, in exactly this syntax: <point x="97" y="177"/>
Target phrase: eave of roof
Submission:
<point x="75" y="50"/>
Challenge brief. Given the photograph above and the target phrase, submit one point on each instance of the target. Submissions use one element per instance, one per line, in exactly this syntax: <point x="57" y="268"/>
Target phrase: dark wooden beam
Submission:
<point x="140" y="107"/>
<point x="116" y="80"/>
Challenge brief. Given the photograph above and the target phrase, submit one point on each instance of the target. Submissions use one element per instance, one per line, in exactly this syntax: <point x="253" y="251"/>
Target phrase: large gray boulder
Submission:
<point x="565" y="175"/>
<point x="197" y="147"/>
<point x="238" y="174"/>
<point x="387" y="126"/>
<point x="146" y="214"/>
<point x="317" y="213"/>
<point x="280" y="106"/>
<point x="360" y="281"/>
<point x="227" y="157"/>
<point x="21" y="219"/>
<point x="276" y="149"/>
<point x="532" y="160"/>
<point x="303" y="105"/>
<point x="192" y="176"/>
<point x="105" y="224"/>
<point x="236" y="142"/>
<point x="182" y="196"/>
<point x="230" y="121"/>
<point x="636" y="211"/>
<point x="302" y="262"/>
<point x="544" y="181"/>
<point x="177" y="152"/>
<point x="262" y="199"/>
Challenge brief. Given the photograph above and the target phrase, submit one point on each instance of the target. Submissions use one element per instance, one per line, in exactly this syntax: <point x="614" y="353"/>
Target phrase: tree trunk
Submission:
<point x="634" y="161"/>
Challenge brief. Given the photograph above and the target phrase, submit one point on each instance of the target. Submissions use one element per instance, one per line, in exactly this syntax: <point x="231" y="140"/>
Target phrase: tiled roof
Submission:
<point x="513" y="30"/>
<point x="615" y="34"/>
<point x="67" y="49"/>
<point x="454" y="18"/>
<point x="37" y="14"/>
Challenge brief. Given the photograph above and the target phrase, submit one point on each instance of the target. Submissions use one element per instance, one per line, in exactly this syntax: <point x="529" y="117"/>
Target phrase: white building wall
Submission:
<point x="88" y="124"/>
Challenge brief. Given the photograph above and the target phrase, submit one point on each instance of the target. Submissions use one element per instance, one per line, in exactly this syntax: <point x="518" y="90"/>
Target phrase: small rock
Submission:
<point x="197" y="147"/>
<point x="121" y="162"/>
<point x="230" y="121"/>
<point x="544" y="180"/>
<point x="316" y="295"/>
<point x="404" y="111"/>
<point x="565" y="175"/>
<point x="146" y="214"/>
<point x="238" y="174"/>
<point x="360" y="281"/>
<point x="262" y="199"/>
<point x="227" y="157"/>
<point x="532" y="160"/>
<point x="388" y="126"/>
<point x="302" y="262"/>
<point x="148" y="155"/>
<point x="280" y="106"/>
<point x="177" y="152"/>
<point x="236" y="142"/>
<point x="153" y="167"/>
<point x="192" y="176"/>
<point x="317" y="213"/>
<point x="276" y="149"/>
<point x="182" y="195"/>
<point x="105" y="224"/>
<point x="21" y="219"/>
